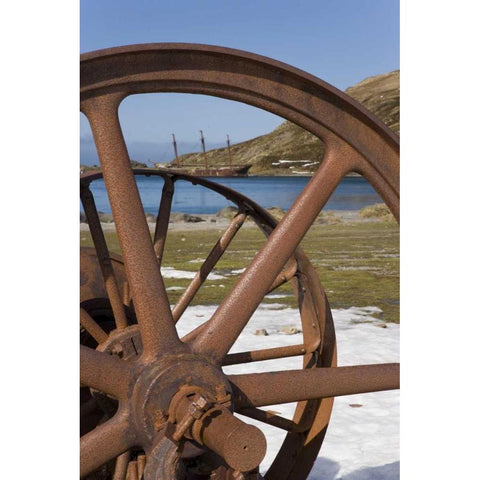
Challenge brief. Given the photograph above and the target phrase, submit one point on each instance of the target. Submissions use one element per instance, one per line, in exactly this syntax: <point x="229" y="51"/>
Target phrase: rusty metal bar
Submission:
<point x="229" y="152"/>
<point x="285" y="275"/>
<point x="261" y="389"/>
<point x="265" y="354"/>
<point x="175" y="162"/>
<point x="203" y="149"/>
<point x="236" y="309"/>
<point x="313" y="304"/>
<point x="271" y="419"/>
<point x="104" y="443"/>
<point x="92" y="327"/>
<point x="241" y="445"/>
<point x="213" y="257"/>
<point x="104" y="372"/>
<point x="103" y="255"/>
<point x="132" y="472"/>
<point x="141" y="460"/>
<point x="146" y="284"/>
<point x="163" y="218"/>
<point x="121" y="465"/>
<point x="191" y="336"/>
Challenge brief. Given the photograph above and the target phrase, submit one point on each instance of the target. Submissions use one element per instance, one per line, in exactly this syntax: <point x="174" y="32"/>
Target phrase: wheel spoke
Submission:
<point x="121" y="466"/>
<point x="104" y="443"/>
<point x="141" y="461"/>
<point x="264" y="354"/>
<point x="192" y="335"/>
<point x="260" y="389"/>
<point x="285" y="275"/>
<point x="163" y="217"/>
<point x="271" y="418"/>
<point x="104" y="372"/>
<point x="213" y="257"/>
<point x="146" y="284"/>
<point x="103" y="255"/>
<point x="239" y="305"/>
<point x="132" y="472"/>
<point x="92" y="327"/>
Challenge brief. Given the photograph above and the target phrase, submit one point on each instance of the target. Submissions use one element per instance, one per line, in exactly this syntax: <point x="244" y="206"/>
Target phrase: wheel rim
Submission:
<point x="355" y="141"/>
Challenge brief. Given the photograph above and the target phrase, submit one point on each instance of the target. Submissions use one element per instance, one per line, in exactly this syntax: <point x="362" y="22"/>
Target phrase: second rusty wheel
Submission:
<point x="176" y="388"/>
<point x="310" y="420"/>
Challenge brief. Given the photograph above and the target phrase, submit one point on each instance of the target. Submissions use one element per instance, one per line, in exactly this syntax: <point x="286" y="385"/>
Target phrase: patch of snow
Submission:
<point x="277" y="295"/>
<point x="356" y="268"/>
<point x="237" y="271"/>
<point x="293" y="161"/>
<point x="170" y="272"/>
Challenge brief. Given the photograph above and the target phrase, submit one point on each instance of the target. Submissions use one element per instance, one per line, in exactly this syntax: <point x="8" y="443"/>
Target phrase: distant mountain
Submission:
<point x="381" y="95"/>
<point x="291" y="149"/>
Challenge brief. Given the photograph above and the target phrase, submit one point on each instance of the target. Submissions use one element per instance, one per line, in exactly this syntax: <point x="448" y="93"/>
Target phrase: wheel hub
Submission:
<point x="163" y="388"/>
<point x="184" y="398"/>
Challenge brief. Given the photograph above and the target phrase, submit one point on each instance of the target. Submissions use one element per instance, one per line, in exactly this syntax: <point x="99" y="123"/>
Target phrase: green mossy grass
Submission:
<point x="358" y="263"/>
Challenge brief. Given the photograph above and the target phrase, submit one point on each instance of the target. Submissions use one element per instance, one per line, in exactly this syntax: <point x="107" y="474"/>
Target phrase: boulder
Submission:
<point x="289" y="330"/>
<point x="185" y="217"/>
<point x="227" y="212"/>
<point x="378" y="211"/>
<point x="261" y="332"/>
<point x="193" y="218"/>
<point x="276" y="212"/>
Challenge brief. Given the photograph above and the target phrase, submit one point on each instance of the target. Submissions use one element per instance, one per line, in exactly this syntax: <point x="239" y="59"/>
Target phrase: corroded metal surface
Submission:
<point x="169" y="397"/>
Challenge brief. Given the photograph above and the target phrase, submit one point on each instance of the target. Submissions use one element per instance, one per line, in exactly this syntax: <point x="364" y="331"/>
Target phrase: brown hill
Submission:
<point x="290" y="149"/>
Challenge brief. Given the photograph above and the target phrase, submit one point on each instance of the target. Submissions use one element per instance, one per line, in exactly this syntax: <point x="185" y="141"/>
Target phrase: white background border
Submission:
<point x="439" y="238"/>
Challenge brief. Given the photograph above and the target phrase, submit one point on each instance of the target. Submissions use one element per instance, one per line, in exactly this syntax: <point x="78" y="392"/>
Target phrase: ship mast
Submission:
<point x="176" y="162"/>
<point x="203" y="148"/>
<point x="229" y="153"/>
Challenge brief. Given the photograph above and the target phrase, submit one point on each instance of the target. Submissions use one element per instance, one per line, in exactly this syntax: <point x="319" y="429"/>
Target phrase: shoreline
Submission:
<point x="213" y="221"/>
<point x="269" y="173"/>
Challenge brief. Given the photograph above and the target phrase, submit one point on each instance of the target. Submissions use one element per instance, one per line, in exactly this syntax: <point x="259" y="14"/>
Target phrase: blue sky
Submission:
<point x="342" y="42"/>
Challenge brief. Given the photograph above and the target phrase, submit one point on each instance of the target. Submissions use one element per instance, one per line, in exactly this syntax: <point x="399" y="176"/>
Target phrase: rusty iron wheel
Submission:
<point x="166" y="396"/>
<point x="317" y="348"/>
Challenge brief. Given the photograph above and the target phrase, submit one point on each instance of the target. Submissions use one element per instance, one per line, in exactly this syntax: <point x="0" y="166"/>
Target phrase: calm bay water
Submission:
<point x="353" y="193"/>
